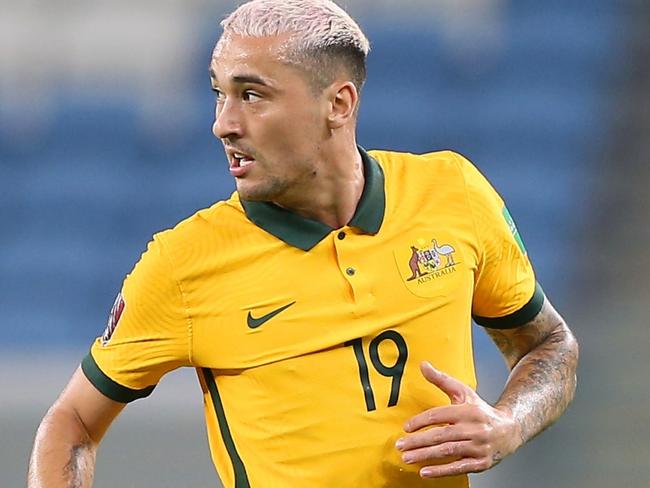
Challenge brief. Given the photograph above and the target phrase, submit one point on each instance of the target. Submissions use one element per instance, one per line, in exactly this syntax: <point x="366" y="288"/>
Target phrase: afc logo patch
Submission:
<point x="114" y="318"/>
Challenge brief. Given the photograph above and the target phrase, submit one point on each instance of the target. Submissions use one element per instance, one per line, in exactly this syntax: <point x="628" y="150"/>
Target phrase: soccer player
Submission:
<point x="327" y="305"/>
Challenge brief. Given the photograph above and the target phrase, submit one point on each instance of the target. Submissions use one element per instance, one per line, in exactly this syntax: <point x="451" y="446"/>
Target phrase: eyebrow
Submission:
<point x="245" y="78"/>
<point x="255" y="79"/>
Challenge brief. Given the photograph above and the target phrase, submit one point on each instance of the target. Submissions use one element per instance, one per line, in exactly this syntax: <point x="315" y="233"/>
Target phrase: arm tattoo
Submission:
<point x="543" y="356"/>
<point x="78" y="471"/>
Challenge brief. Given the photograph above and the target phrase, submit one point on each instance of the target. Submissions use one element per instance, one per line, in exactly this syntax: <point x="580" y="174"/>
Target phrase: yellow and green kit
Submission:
<point x="307" y="340"/>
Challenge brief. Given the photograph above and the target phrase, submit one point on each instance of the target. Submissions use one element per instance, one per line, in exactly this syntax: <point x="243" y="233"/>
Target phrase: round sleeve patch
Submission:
<point x="114" y="318"/>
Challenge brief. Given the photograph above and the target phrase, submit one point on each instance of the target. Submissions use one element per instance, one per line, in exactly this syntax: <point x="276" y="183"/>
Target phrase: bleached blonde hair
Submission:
<point x="323" y="38"/>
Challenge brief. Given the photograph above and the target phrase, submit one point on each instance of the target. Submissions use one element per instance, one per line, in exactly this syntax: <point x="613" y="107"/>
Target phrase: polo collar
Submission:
<point x="305" y="233"/>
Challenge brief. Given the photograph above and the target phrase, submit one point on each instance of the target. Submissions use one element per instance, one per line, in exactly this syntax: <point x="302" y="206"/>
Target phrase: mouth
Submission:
<point x="239" y="162"/>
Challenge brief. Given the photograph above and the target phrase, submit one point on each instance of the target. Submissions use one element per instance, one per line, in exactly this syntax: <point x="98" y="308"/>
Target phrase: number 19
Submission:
<point x="395" y="371"/>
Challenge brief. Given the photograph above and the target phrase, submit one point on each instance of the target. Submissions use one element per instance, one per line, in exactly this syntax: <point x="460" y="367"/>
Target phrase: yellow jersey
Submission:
<point x="307" y="340"/>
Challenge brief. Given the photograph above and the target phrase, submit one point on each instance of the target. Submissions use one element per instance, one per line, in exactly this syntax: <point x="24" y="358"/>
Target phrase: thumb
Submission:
<point x="454" y="389"/>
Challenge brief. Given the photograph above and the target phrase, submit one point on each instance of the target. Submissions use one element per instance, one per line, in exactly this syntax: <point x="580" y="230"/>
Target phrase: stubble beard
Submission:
<point x="265" y="191"/>
<point x="277" y="189"/>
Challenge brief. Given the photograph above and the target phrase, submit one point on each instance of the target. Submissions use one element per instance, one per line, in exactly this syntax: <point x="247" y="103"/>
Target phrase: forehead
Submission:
<point x="235" y="53"/>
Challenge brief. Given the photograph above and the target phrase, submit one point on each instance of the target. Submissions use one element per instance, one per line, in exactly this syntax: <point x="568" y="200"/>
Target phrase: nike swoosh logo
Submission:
<point x="255" y="322"/>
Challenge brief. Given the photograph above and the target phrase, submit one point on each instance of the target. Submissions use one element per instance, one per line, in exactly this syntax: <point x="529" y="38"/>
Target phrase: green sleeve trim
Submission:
<point x="520" y="317"/>
<point x="107" y="386"/>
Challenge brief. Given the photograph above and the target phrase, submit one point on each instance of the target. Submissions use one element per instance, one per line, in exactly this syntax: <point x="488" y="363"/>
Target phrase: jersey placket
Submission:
<point x="353" y="271"/>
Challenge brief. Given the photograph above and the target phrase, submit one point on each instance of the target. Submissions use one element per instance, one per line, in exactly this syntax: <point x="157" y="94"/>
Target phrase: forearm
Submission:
<point x="63" y="455"/>
<point x="470" y="435"/>
<point x="541" y="384"/>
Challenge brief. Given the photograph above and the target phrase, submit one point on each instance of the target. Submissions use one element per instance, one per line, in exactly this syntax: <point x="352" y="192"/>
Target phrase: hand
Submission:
<point x="468" y="436"/>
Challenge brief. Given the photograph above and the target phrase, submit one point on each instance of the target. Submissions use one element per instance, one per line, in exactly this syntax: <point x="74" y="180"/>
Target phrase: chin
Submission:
<point x="254" y="193"/>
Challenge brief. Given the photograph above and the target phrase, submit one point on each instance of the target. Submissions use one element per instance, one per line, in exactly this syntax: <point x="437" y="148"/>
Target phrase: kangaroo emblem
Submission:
<point x="429" y="259"/>
<point x="414" y="264"/>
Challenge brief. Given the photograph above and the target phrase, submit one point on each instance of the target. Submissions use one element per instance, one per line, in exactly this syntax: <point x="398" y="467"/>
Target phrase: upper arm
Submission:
<point x="507" y="300"/>
<point x="515" y="343"/>
<point x="94" y="411"/>
<point x="149" y="332"/>
<point x="505" y="293"/>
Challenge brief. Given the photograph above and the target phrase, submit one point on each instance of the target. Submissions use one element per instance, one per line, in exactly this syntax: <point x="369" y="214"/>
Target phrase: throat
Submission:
<point x="331" y="193"/>
<point x="334" y="209"/>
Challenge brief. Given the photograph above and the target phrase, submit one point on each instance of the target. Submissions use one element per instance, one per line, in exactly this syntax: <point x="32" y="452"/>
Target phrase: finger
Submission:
<point x="455" y="468"/>
<point x="454" y="389"/>
<point x="456" y="450"/>
<point x="432" y="437"/>
<point x="449" y="414"/>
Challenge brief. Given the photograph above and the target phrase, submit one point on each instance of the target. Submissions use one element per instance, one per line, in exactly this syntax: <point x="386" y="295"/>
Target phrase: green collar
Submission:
<point x="305" y="233"/>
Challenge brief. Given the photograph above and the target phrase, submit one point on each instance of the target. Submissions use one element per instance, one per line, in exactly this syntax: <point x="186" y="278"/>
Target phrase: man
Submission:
<point x="315" y="300"/>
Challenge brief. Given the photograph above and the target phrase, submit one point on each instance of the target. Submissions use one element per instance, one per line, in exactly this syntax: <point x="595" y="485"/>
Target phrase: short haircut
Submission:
<point x="324" y="39"/>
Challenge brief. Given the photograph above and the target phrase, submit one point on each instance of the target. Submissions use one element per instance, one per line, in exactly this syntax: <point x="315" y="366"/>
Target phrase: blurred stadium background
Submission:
<point x="105" y="115"/>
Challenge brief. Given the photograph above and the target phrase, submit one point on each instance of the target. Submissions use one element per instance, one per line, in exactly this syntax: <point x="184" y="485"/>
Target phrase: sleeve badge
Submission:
<point x="513" y="229"/>
<point x="113" y="319"/>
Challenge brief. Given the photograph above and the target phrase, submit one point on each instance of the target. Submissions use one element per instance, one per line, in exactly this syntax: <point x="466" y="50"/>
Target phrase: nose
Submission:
<point x="227" y="120"/>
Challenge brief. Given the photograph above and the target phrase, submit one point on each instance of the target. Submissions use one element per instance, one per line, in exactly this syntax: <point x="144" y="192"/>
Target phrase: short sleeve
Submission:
<point x="506" y="294"/>
<point x="148" y="331"/>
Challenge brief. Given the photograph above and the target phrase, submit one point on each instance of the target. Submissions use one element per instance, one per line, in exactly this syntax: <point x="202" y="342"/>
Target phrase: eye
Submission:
<point x="251" y="96"/>
<point x="218" y="95"/>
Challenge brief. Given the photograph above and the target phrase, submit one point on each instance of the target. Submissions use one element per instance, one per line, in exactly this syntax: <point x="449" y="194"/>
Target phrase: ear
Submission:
<point x="343" y="98"/>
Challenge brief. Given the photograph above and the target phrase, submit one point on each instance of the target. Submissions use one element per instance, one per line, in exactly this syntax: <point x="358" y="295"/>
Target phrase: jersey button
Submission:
<point x="350" y="271"/>
<point x="341" y="235"/>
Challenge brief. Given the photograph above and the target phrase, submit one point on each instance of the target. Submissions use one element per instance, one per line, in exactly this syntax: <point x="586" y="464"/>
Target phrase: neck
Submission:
<point x="333" y="196"/>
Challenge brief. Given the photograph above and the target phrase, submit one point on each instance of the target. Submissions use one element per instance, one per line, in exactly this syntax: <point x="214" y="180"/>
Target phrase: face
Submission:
<point x="267" y="117"/>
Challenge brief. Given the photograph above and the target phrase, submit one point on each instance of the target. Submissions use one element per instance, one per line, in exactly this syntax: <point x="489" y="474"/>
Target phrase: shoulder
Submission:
<point x="203" y="236"/>
<point x="428" y="171"/>
<point x="206" y="223"/>
<point x="447" y="161"/>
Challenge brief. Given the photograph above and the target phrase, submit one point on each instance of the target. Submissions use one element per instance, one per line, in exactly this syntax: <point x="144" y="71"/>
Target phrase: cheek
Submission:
<point x="288" y="129"/>
<point x="309" y="124"/>
<point x="291" y="133"/>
